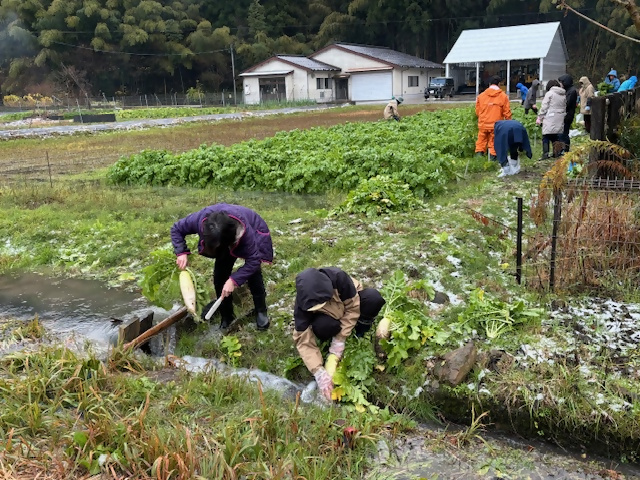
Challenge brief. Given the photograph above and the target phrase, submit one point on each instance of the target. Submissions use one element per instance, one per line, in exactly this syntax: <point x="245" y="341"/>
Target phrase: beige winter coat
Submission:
<point x="391" y="110"/>
<point x="347" y="312"/>
<point x="553" y="111"/>
<point x="586" y="92"/>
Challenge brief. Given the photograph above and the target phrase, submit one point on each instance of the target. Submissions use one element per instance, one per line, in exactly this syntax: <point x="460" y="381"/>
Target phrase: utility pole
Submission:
<point x="233" y="73"/>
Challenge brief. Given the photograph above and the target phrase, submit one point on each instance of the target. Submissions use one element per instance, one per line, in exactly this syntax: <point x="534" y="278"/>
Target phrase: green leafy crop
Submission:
<point x="379" y="196"/>
<point x="494" y="316"/>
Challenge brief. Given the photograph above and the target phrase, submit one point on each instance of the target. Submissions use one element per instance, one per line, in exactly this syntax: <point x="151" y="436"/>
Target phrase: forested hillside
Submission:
<point x="147" y="46"/>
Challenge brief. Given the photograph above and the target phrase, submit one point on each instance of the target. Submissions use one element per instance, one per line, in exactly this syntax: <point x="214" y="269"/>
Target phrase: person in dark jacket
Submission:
<point x="511" y="137"/>
<point x="330" y="305"/>
<point x="228" y="232"/>
<point x="572" y="102"/>
<point x="530" y="99"/>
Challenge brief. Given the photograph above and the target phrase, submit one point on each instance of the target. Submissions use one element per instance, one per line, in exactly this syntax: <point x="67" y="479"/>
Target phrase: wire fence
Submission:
<point x="587" y="237"/>
<point x="49" y="169"/>
<point x="70" y="104"/>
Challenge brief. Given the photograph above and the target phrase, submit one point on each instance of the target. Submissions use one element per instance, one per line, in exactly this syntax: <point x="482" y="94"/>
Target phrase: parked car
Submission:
<point x="439" y="87"/>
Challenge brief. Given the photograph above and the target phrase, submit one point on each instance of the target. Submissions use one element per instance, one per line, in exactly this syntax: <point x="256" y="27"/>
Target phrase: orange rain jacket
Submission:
<point x="492" y="105"/>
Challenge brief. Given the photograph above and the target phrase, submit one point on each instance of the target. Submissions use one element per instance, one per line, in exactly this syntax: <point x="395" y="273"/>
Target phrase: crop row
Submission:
<point x="420" y="151"/>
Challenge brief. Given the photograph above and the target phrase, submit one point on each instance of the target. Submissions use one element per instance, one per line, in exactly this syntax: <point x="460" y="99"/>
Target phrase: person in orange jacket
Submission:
<point x="492" y="105"/>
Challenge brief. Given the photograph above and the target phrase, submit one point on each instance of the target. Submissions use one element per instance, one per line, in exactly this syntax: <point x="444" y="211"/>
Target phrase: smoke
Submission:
<point x="15" y="40"/>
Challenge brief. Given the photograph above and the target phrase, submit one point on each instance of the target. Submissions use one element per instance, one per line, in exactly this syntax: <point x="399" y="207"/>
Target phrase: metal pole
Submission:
<point x="477" y="79"/>
<point x="541" y="72"/>
<point x="508" y="78"/>
<point x="557" y="214"/>
<point x="233" y="73"/>
<point x="519" y="244"/>
<point x="49" y="166"/>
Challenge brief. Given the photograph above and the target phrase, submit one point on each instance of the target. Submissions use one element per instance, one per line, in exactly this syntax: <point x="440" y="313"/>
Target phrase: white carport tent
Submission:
<point x="507" y="44"/>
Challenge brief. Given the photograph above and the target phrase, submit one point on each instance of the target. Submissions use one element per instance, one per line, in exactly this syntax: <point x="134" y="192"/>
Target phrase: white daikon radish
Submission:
<point x="188" y="290"/>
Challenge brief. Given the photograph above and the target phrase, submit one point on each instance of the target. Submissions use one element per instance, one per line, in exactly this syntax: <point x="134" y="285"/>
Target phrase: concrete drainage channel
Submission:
<point x="77" y="312"/>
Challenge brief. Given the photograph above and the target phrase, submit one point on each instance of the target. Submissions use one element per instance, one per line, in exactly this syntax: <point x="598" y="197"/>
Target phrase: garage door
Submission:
<point x="371" y="86"/>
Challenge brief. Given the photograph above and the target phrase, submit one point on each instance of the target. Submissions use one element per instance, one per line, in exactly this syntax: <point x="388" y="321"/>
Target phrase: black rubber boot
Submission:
<point x="225" y="322"/>
<point x="262" y="320"/>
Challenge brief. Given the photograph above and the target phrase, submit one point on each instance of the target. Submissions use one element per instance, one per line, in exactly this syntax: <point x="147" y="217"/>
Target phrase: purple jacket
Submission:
<point x="254" y="246"/>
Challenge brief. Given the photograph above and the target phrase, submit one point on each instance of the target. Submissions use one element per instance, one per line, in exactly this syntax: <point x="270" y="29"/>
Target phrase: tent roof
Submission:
<point x="520" y="42"/>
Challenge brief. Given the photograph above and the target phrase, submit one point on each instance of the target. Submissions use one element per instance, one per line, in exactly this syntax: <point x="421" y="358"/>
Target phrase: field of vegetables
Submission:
<point x="425" y="151"/>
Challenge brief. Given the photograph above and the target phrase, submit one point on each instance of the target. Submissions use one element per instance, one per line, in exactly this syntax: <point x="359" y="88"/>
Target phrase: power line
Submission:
<point x="139" y="54"/>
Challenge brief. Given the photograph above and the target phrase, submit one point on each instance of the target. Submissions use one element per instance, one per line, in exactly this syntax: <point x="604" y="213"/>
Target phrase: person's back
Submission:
<point x="492" y="105"/>
<point x="523" y="91"/>
<point x="530" y="100"/>
<point x="391" y="110"/>
<point x="572" y="101"/>
<point x="628" y="84"/>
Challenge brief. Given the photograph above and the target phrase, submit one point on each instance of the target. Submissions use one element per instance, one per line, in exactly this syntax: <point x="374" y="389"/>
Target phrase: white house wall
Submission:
<point x="296" y="85"/>
<point x="401" y="82"/>
<point x="251" y="90"/>
<point x="317" y="94"/>
<point x="346" y="60"/>
<point x="555" y="63"/>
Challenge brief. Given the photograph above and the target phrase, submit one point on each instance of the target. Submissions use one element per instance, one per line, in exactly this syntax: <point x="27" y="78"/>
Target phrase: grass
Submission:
<point x="75" y="417"/>
<point x="89" y="229"/>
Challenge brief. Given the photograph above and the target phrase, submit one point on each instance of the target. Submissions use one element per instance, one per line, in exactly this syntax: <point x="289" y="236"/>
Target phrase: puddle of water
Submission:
<point x="69" y="307"/>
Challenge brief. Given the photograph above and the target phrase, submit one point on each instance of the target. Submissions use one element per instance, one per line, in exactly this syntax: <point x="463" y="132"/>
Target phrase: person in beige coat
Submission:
<point x="587" y="92"/>
<point x="330" y="305"/>
<point x="391" y="110"/>
<point x="551" y="116"/>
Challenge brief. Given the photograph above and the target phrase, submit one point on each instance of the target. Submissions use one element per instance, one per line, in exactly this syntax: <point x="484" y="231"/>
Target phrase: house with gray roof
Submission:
<point x="288" y="78"/>
<point x="340" y="72"/>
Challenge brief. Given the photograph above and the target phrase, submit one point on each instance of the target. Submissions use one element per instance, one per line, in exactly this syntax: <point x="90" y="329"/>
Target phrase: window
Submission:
<point x="323" y="83"/>
<point x="413" y="81"/>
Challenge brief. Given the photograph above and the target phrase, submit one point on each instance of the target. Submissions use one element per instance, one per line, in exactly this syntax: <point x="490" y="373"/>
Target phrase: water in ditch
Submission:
<point x="75" y="312"/>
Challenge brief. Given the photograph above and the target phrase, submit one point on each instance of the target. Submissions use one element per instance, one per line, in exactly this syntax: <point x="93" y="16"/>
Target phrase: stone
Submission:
<point x="454" y="367"/>
<point x="440" y="298"/>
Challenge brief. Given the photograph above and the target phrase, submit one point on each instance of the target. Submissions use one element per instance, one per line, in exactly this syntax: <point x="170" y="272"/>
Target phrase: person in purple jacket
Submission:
<point x="228" y="232"/>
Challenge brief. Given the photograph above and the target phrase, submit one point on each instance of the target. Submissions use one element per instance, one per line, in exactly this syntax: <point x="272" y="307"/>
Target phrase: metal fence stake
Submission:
<point x="557" y="214"/>
<point x="519" y="244"/>
<point x="49" y="166"/>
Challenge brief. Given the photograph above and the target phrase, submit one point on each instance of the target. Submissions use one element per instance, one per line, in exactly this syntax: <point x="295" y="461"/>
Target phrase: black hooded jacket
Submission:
<point x="315" y="286"/>
<point x="572" y="98"/>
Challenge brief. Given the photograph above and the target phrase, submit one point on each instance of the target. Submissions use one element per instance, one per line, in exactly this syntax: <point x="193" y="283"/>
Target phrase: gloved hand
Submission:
<point x="337" y="347"/>
<point x="325" y="384"/>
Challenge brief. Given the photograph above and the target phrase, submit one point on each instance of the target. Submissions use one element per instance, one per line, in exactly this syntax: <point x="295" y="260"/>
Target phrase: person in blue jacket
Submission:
<point x="628" y="84"/>
<point x="523" y="92"/>
<point x="510" y="137"/>
<point x="612" y="79"/>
